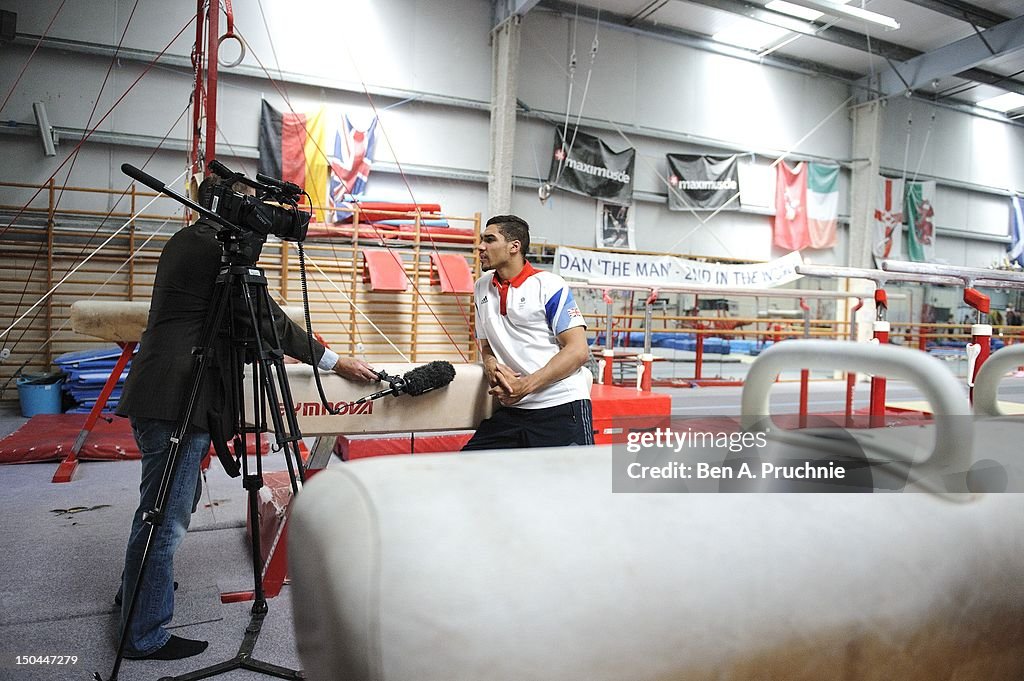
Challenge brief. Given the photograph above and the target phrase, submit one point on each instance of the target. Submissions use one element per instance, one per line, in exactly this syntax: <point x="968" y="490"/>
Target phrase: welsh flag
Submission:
<point x="919" y="214"/>
<point x="791" y="231"/>
<point x="822" y="204"/>
<point x="888" y="233"/>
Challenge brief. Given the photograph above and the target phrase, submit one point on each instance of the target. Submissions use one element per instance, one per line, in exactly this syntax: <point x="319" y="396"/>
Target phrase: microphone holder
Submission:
<point x="396" y="386"/>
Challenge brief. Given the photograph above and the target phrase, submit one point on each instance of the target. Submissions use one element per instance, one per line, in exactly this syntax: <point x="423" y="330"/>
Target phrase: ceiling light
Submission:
<point x="836" y="9"/>
<point x="1007" y="101"/>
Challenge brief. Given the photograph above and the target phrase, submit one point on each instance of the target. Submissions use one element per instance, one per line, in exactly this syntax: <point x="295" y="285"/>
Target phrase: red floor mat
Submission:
<point x="49" y="437"/>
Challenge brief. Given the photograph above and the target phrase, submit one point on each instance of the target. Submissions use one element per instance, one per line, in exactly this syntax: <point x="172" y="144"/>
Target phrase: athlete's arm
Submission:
<point x="573" y="353"/>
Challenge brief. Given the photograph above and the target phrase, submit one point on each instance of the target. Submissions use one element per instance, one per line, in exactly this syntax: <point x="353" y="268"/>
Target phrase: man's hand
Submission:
<point x="496" y="373"/>
<point x="509" y="386"/>
<point x="354" y="370"/>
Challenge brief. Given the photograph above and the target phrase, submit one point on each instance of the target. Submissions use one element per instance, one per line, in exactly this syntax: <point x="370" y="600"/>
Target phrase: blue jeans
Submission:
<point x="156" y="595"/>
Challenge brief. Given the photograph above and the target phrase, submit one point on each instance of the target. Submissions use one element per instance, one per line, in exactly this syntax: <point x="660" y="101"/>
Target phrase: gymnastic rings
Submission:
<point x="241" y="50"/>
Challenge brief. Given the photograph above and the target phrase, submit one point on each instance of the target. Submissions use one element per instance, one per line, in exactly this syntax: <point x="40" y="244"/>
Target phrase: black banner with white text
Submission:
<point x="702" y="182"/>
<point x="583" y="164"/>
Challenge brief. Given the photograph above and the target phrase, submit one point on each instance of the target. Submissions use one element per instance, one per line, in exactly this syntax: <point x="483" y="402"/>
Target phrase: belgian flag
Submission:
<point x="293" y="148"/>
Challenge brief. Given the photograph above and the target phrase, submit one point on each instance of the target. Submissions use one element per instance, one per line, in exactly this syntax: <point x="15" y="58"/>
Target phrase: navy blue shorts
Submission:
<point x="512" y="428"/>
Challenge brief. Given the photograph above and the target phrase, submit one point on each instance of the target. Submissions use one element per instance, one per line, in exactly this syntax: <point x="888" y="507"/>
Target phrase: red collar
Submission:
<point x="515" y="282"/>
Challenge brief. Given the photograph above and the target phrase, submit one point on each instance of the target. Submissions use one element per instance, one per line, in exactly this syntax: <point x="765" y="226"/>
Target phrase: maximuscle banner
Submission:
<point x="583" y="164"/>
<point x="577" y="263"/>
<point x="702" y="182"/>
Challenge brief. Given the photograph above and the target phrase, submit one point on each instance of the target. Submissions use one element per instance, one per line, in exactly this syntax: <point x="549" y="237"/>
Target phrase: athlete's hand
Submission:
<point x="510" y="386"/>
<point x="354" y="370"/>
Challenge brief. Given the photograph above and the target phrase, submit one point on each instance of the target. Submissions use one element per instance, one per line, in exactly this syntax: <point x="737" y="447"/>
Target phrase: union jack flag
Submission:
<point x="349" y="165"/>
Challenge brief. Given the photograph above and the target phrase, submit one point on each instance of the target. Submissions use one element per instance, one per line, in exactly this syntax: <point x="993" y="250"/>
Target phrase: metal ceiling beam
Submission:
<point x="957" y="9"/>
<point x="955" y="58"/>
<point x="852" y="39"/>
<point x="694" y="40"/>
<point x="503" y="9"/>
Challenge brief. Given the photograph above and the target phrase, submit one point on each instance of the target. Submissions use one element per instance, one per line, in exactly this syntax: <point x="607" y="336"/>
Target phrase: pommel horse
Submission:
<point x="459" y="406"/>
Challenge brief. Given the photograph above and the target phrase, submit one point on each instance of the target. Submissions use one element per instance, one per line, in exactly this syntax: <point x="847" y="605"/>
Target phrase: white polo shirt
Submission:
<point x="520" y="319"/>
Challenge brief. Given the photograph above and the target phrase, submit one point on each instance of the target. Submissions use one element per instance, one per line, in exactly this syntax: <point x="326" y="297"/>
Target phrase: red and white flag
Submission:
<point x="791" y="231"/>
<point x="888" y="234"/>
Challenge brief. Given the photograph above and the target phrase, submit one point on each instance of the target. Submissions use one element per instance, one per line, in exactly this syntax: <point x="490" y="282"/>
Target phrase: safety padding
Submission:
<point x="620" y="411"/>
<point x="351" y="448"/>
<point x="384" y="271"/>
<point x="523" y="565"/>
<point x="451" y="272"/>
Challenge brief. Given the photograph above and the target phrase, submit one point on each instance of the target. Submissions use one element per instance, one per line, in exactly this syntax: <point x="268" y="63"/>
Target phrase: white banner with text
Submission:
<point x="581" y="264"/>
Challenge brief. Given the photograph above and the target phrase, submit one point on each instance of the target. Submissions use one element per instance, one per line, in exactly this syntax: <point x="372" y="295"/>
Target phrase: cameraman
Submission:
<point x="154" y="394"/>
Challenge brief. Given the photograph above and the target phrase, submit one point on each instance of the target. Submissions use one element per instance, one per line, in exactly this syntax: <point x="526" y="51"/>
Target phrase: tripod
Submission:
<point x="241" y="311"/>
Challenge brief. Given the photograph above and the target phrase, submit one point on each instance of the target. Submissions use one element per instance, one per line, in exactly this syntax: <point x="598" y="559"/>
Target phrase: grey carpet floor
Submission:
<point x="61" y="552"/>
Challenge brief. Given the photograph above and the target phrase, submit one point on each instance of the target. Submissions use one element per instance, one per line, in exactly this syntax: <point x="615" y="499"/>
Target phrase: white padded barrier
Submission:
<point x="522" y="565"/>
<point x="952" y="450"/>
<point x="990" y="375"/>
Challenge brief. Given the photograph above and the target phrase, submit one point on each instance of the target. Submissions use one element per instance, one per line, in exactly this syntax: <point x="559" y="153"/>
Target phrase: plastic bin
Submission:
<point x="40" y="393"/>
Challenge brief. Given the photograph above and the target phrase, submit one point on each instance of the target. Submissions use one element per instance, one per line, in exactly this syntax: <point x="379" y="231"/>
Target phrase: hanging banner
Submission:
<point x="791" y="208"/>
<point x="583" y="164"/>
<point x="291" y="148"/>
<point x="919" y="214"/>
<point x="1015" y="249"/>
<point x="822" y="204"/>
<point x="577" y="263"/>
<point x="888" y="233"/>
<point x="702" y="183"/>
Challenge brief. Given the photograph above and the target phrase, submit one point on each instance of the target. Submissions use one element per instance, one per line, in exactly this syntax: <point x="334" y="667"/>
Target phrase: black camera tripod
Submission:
<point x="241" y="311"/>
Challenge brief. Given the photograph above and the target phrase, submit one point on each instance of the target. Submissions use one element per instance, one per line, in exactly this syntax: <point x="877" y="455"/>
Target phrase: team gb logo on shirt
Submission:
<point x="574" y="312"/>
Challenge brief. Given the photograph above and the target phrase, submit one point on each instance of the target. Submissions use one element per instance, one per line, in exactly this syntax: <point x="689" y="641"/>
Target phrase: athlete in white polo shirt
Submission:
<point x="534" y="345"/>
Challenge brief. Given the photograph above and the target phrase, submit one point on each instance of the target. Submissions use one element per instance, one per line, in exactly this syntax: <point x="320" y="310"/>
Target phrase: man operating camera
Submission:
<point x="153" y="396"/>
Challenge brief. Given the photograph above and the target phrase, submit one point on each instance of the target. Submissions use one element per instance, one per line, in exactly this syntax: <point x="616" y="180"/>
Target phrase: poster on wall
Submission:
<point x="583" y="164"/>
<point x="702" y="183"/>
<point x="615" y="226"/>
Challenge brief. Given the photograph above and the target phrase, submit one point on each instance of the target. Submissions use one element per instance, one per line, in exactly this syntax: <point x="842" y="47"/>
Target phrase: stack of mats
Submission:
<point x="87" y="372"/>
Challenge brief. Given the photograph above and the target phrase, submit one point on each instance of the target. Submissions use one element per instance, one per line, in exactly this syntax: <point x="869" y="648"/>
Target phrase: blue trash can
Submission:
<point x="40" y="393"/>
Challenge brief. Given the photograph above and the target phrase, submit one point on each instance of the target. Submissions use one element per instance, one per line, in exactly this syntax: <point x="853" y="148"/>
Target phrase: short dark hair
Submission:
<point x="513" y="228"/>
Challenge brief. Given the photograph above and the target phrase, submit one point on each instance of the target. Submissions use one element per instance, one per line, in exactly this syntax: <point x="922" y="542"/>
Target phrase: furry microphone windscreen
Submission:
<point x="436" y="374"/>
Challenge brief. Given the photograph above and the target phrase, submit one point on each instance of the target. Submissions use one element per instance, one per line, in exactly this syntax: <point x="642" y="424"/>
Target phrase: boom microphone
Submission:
<point x="428" y="377"/>
<point x="417" y="381"/>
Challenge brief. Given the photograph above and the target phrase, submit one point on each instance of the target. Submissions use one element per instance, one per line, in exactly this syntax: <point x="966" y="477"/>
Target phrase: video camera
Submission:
<point x="273" y="210"/>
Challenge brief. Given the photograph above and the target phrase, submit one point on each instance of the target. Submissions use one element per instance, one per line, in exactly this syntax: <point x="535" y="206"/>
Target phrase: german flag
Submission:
<point x="293" y="147"/>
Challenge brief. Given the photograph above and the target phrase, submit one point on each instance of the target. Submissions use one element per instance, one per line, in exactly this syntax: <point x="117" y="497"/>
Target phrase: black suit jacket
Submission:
<point x="161" y="371"/>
